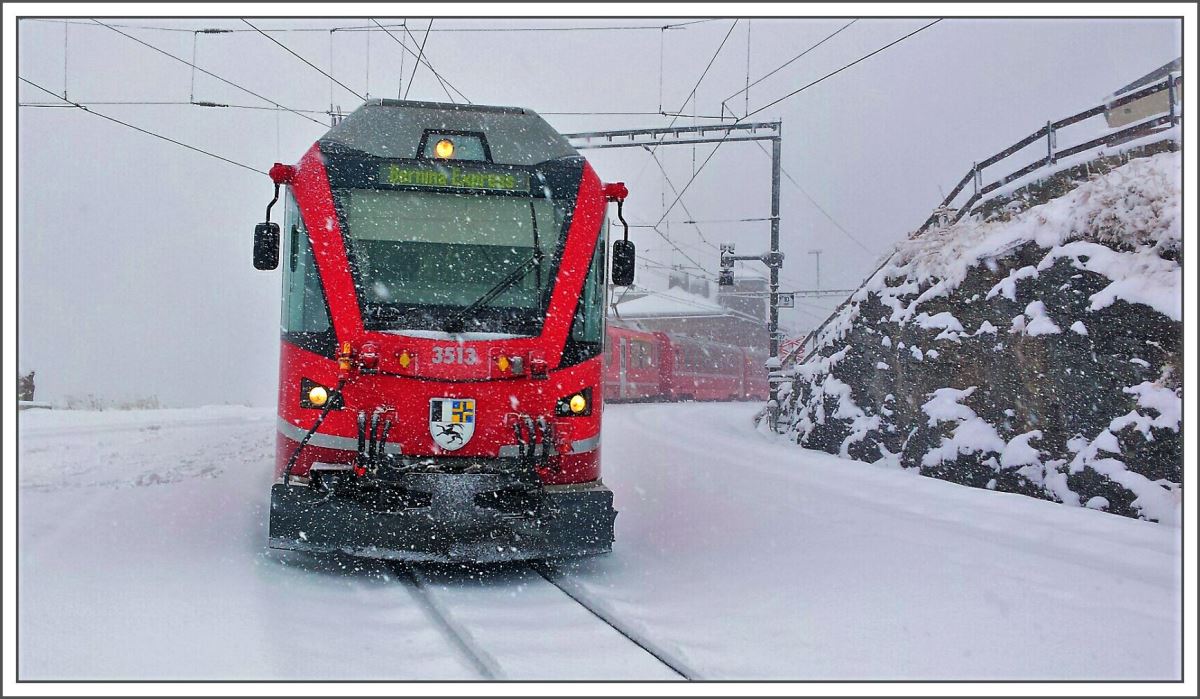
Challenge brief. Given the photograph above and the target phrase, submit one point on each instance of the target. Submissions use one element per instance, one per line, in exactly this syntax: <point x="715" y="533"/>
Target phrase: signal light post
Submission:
<point x="773" y="260"/>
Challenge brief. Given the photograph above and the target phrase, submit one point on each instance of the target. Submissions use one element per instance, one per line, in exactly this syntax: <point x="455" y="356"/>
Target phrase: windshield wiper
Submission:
<point x="457" y="322"/>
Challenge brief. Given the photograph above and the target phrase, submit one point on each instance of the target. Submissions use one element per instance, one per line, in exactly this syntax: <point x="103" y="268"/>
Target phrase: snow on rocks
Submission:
<point x="1039" y="323"/>
<point x="971" y="435"/>
<point x="1074" y="303"/>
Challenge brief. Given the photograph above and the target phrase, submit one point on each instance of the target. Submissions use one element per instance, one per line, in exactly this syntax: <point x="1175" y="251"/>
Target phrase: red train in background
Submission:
<point x="656" y="366"/>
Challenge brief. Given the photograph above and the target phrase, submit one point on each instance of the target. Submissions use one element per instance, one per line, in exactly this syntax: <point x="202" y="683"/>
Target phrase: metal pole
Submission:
<point x="776" y="146"/>
<point x="1170" y="97"/>
<point x="1049" y="143"/>
<point x="773" y="374"/>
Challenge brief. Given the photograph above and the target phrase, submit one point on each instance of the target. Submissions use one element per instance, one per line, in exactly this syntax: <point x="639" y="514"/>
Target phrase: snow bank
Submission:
<point x="1036" y="352"/>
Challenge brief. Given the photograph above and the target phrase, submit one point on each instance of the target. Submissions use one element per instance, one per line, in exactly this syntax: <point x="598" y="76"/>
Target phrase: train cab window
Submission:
<point x="587" y="327"/>
<point x="305" y="320"/>
<point x="424" y="257"/>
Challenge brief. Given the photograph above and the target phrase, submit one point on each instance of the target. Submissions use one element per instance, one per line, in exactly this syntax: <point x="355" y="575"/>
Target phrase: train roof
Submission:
<point x="673" y="302"/>
<point x="388" y="128"/>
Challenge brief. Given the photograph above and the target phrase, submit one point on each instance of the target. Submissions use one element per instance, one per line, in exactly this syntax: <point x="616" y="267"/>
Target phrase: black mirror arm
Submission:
<point x="621" y="216"/>
<point x="272" y="202"/>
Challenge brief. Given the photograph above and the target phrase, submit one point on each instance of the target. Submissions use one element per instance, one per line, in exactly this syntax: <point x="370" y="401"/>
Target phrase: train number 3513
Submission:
<point x="455" y="355"/>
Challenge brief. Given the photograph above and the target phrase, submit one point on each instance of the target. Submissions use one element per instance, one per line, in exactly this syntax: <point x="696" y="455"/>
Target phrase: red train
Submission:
<point x="440" y="397"/>
<point x="652" y="366"/>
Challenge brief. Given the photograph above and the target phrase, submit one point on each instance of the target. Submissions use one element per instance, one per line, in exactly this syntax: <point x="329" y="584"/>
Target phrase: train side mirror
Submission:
<point x="266" y="246"/>
<point x="623" y="258"/>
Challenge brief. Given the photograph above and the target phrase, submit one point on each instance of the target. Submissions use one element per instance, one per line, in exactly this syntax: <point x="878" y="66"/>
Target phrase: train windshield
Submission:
<point x="422" y="260"/>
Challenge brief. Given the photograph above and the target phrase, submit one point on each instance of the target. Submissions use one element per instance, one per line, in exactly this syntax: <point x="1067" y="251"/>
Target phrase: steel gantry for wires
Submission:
<point x="718" y="134"/>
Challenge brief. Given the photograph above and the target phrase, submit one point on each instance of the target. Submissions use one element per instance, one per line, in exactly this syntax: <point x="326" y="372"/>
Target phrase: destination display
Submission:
<point x="450" y="176"/>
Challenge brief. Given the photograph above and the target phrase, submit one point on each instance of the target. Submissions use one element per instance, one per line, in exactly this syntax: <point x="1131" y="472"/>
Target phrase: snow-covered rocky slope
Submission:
<point x="1039" y="352"/>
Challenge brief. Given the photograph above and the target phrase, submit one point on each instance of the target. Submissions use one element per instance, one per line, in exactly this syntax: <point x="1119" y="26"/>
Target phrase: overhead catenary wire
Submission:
<point x="311" y="111"/>
<point x="142" y="130"/>
<point x="723" y="140"/>
<point x="674" y="119"/>
<point x="802" y="54"/>
<point x="856" y="61"/>
<point x="604" y="113"/>
<point x="195" y="46"/>
<point x="400" y="76"/>
<point x="820" y="208"/>
<point x="171" y="103"/>
<point x="667" y="177"/>
<point x="703" y="74"/>
<point x="303" y="59"/>
<point x="206" y="72"/>
<point x="425" y="60"/>
<point x="367" y="78"/>
<point x="359" y="28"/>
<point x="420" y="53"/>
<point x="679" y="112"/>
<point x="66" y="31"/>
<point x="446" y="86"/>
<point x="747" y="91"/>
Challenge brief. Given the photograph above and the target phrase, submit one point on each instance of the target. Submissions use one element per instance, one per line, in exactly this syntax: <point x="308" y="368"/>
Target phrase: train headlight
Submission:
<point x="576" y="404"/>
<point x="314" y="395"/>
<point x="444" y="149"/>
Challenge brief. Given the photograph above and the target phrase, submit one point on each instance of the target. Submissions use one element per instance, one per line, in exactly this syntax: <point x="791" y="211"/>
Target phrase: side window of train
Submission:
<point x="305" y="320"/>
<point x="587" y="327"/>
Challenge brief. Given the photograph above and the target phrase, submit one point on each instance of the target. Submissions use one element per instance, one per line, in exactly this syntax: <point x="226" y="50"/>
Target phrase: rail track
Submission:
<point x="535" y="622"/>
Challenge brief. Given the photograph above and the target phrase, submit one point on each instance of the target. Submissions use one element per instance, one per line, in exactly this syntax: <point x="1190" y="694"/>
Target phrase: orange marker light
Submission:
<point x="503" y="363"/>
<point x="404" y="360"/>
<point x="444" y="148"/>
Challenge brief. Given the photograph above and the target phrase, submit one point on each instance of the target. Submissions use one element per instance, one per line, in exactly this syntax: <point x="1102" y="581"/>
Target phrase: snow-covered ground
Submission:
<point x="739" y="556"/>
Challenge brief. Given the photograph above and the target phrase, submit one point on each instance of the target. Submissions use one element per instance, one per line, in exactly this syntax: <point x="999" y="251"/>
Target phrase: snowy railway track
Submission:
<point x="491" y="626"/>
<point x="459" y="636"/>
<point x="601" y="612"/>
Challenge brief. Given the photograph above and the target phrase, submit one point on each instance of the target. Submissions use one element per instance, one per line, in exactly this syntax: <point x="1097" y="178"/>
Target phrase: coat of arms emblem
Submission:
<point x="451" y="421"/>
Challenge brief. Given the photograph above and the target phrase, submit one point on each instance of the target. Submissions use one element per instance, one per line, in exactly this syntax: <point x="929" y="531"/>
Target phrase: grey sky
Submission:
<point x="135" y="275"/>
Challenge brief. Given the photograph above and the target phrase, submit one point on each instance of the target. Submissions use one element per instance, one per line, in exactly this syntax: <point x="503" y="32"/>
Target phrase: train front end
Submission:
<point x="443" y="319"/>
